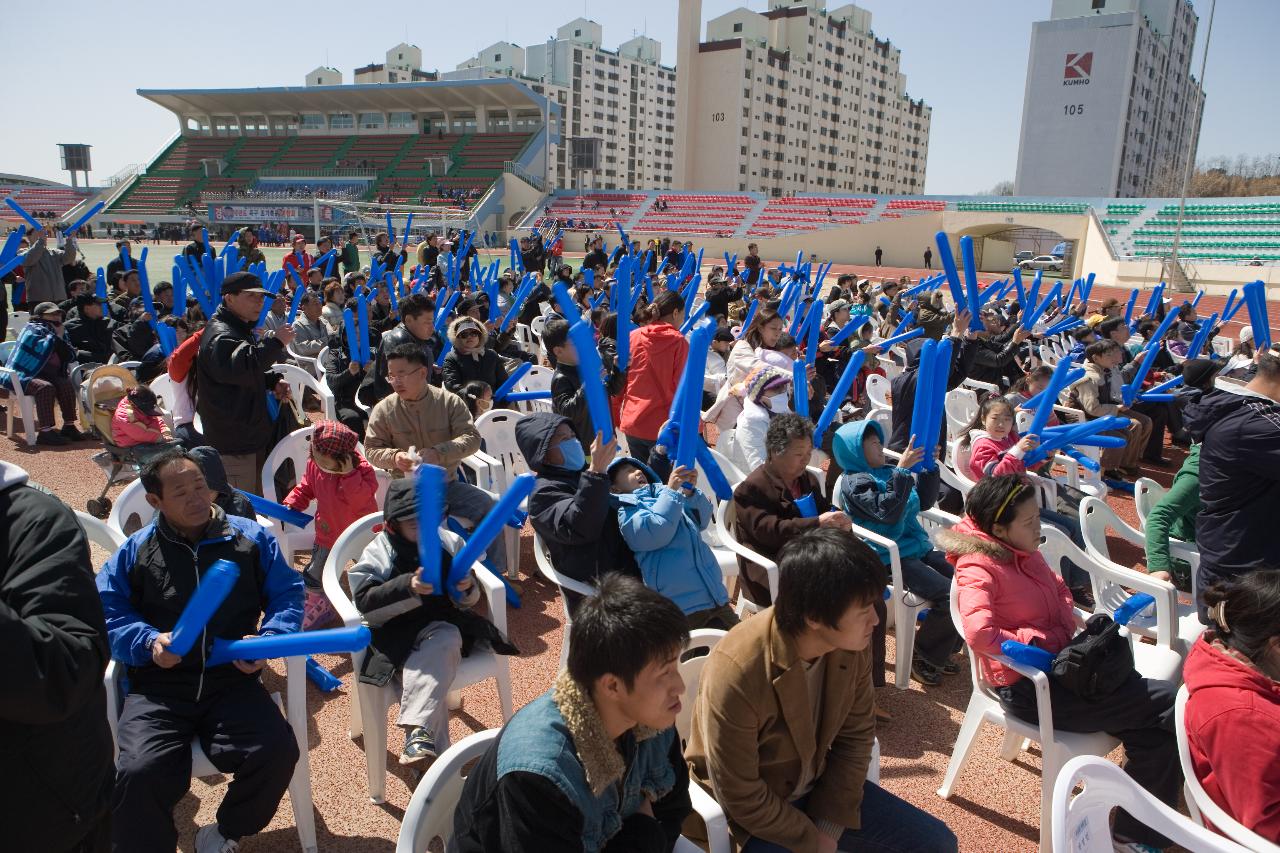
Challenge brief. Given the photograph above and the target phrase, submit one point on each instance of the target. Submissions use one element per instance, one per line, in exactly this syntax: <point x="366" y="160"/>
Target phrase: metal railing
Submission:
<point x="523" y="174"/>
<point x="318" y="174"/>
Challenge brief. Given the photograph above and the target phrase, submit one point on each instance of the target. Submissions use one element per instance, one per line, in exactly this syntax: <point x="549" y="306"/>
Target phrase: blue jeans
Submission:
<point x="888" y="824"/>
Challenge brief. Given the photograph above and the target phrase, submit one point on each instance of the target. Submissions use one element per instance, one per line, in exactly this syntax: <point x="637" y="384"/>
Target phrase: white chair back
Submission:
<point x="961" y="407"/>
<point x="703" y="639"/>
<point x="320" y="357"/>
<point x="130" y="510"/>
<point x="497" y="427"/>
<point x="564" y="584"/>
<point x="429" y="816"/>
<point x="299" y="380"/>
<point x="17" y="322"/>
<point x="1082" y="824"/>
<point x="878" y="391"/>
<point x="537" y="379"/>
<point x="1146" y="494"/>
<point x="1199" y="803"/>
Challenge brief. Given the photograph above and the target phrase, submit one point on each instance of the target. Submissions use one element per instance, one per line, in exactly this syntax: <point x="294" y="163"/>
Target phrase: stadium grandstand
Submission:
<point x="429" y="144"/>
<point x="48" y="200"/>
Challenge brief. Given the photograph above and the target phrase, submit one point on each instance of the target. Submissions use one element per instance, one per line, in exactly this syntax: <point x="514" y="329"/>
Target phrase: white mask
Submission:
<point x="779" y="404"/>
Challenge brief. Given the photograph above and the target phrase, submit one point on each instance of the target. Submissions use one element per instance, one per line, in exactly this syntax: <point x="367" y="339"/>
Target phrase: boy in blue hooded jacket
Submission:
<point x="882" y="498"/>
<point x="663" y="525"/>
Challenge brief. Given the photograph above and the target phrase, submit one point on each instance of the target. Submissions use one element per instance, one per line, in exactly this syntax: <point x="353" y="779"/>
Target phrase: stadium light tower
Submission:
<point x="1191" y="141"/>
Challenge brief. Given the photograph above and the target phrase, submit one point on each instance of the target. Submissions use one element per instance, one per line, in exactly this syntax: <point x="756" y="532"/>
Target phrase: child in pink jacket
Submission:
<point x="137" y="420"/>
<point x="344" y="487"/>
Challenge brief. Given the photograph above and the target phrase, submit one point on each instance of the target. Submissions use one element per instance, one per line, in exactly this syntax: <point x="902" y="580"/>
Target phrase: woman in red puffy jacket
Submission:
<point x="658" y="354"/>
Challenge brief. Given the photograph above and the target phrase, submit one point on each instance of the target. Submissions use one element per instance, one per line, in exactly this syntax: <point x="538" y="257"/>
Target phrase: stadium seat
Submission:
<point x="565" y="585"/>
<point x="99" y="533"/>
<point x="428" y="819"/>
<point x="300" y="381"/>
<point x="294" y="710"/>
<point x="369" y="708"/>
<point x="11" y="391"/>
<point x="725" y="520"/>
<point x="1056" y="748"/>
<point x="1082" y="824"/>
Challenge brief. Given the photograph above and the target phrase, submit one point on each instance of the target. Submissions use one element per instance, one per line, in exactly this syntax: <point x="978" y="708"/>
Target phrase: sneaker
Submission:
<point x="70" y="432"/>
<point x="951" y="667"/>
<point x="210" y="840"/>
<point x="925" y="672"/>
<point x="418" y="746"/>
<point x="1083" y="597"/>
<point x="1133" y="847"/>
<point x="317" y="611"/>
<point x="50" y="438"/>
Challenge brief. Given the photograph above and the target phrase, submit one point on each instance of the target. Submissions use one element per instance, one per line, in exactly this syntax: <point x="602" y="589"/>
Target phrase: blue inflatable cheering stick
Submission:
<point x="213" y="587"/>
<point x="489" y="528"/>
<point x="332" y="641"/>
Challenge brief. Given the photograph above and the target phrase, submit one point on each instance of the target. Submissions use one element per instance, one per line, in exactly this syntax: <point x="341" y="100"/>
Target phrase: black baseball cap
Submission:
<point x="84" y="299"/>
<point x="243" y="282"/>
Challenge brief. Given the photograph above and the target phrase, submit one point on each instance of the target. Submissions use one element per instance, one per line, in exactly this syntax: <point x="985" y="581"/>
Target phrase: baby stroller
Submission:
<point x="104" y="389"/>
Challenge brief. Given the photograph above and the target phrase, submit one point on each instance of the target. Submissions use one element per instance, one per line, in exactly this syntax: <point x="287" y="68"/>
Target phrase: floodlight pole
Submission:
<point x="1191" y="137"/>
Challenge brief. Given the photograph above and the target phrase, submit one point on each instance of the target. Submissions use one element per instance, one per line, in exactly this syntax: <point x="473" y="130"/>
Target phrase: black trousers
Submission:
<point x="242" y="732"/>
<point x="1140" y="714"/>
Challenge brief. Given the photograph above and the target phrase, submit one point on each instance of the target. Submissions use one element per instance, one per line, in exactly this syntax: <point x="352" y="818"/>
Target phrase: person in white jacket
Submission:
<point x="717" y="366"/>
<point x="761" y="335"/>
<point x="768" y="394"/>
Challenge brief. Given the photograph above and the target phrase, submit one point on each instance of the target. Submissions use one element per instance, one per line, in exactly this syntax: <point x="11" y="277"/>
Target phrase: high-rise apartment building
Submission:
<point x="1111" y="108"/>
<point x="617" y="107"/>
<point x="799" y="98"/>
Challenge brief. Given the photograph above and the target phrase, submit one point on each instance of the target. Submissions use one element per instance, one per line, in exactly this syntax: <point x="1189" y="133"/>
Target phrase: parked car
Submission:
<point x="1019" y="257"/>
<point x="1042" y="262"/>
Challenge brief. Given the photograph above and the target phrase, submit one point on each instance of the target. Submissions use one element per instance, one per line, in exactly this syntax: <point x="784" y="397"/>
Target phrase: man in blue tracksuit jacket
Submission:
<point x="663" y="524"/>
<point x="144" y="587"/>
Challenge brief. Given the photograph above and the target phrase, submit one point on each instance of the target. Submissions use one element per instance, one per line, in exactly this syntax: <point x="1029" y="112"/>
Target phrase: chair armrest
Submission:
<point x="981" y="386"/>
<point x="1165" y="594"/>
<point x="939" y="517"/>
<point x="895" y="560"/>
<point x="483" y="466"/>
<point x="495" y="592"/>
<point x="820" y="476"/>
<point x="1044" y="708"/>
<point x="331" y="583"/>
<point x="713" y="817"/>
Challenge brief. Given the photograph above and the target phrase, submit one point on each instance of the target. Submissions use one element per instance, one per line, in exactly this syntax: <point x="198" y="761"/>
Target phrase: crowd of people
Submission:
<point x="785" y="712"/>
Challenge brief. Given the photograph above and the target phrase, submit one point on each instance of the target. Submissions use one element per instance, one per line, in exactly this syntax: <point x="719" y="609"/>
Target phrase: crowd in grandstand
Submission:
<point x="416" y="345"/>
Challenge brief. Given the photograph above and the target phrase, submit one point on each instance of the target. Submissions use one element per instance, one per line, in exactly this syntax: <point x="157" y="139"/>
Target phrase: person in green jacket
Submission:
<point x="351" y="253"/>
<point x="1174" y="517"/>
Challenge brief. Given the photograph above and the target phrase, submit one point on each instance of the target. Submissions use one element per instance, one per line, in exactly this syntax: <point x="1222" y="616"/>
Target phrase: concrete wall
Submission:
<point x="997" y="256"/>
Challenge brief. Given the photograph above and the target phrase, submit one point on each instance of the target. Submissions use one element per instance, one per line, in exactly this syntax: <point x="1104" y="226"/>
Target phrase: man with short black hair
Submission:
<point x="417" y="327"/>
<point x="196" y="247"/>
<point x="594" y="764"/>
<point x="144" y="588"/>
<point x="784" y="720"/>
<point x="90" y="332"/>
<point x="231" y="370"/>
<point x="422" y="423"/>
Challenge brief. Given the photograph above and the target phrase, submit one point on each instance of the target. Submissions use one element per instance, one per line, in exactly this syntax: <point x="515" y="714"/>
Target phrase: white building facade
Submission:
<point x="798" y="99"/>
<point x="1111" y="108"/>
<point x="624" y="100"/>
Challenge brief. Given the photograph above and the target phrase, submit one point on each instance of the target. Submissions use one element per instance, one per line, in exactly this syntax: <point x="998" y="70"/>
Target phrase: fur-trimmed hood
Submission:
<point x="967" y="538"/>
<point x="456" y="327"/>
<point x="600" y="758"/>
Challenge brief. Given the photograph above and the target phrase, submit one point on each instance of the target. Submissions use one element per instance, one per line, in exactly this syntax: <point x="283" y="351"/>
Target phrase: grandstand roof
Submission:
<point x="416" y="96"/>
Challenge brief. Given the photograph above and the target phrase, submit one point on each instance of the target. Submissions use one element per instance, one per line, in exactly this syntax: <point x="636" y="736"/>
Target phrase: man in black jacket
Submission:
<point x="55" y="745"/>
<point x="1239" y="475"/>
<point x="594" y="764"/>
<point x="174" y="698"/>
<point x="570" y="507"/>
<point x="196" y="247"/>
<point x="343" y="377"/>
<point x="597" y="256"/>
<point x="567" y="396"/>
<point x="230" y="377"/>
<point x="90" y="332"/>
<point x="417" y="326"/>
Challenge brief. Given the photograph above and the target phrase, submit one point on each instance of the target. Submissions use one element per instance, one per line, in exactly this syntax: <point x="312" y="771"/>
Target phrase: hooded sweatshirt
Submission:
<point x="1232" y="704"/>
<point x="570" y="510"/>
<point x="1239" y="482"/>
<point x="883" y="499"/>
<point x="1004" y="594"/>
<point x="664" y="527"/>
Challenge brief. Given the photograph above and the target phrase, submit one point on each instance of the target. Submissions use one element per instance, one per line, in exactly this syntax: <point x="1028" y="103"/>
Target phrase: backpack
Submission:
<point x="1096" y="661"/>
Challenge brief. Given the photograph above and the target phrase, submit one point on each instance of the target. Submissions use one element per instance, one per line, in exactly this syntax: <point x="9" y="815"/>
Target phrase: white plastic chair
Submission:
<point x="1146" y="494"/>
<point x="704" y="803"/>
<point x="99" y="533"/>
<point x="978" y="385"/>
<point x="17" y="322"/>
<point x="320" y="371"/>
<point x="11" y="390"/>
<point x="505" y="462"/>
<point x="906" y="607"/>
<point x="130" y="510"/>
<point x="725" y="521"/>
<point x="564" y="584"/>
<point x="295" y="711"/>
<point x="1082" y="824"/>
<point x="1199" y="803"/>
<point x="1161" y="660"/>
<point x="1109" y="589"/>
<point x="878" y="390"/>
<point x="961" y="407"/>
<point x="306" y="362"/>
<point x="429" y="816"/>
<point x="1056" y="748"/>
<point x="372" y="702"/>
<point x="299" y="380"/>
<point x="537" y="379"/>
<point x="164" y="388"/>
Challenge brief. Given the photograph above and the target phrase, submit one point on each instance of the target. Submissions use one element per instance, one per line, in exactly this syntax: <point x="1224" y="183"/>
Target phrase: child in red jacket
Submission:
<point x="344" y="487"/>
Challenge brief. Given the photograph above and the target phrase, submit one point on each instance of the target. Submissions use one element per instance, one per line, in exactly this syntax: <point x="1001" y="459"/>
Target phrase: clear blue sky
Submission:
<point x="967" y="60"/>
